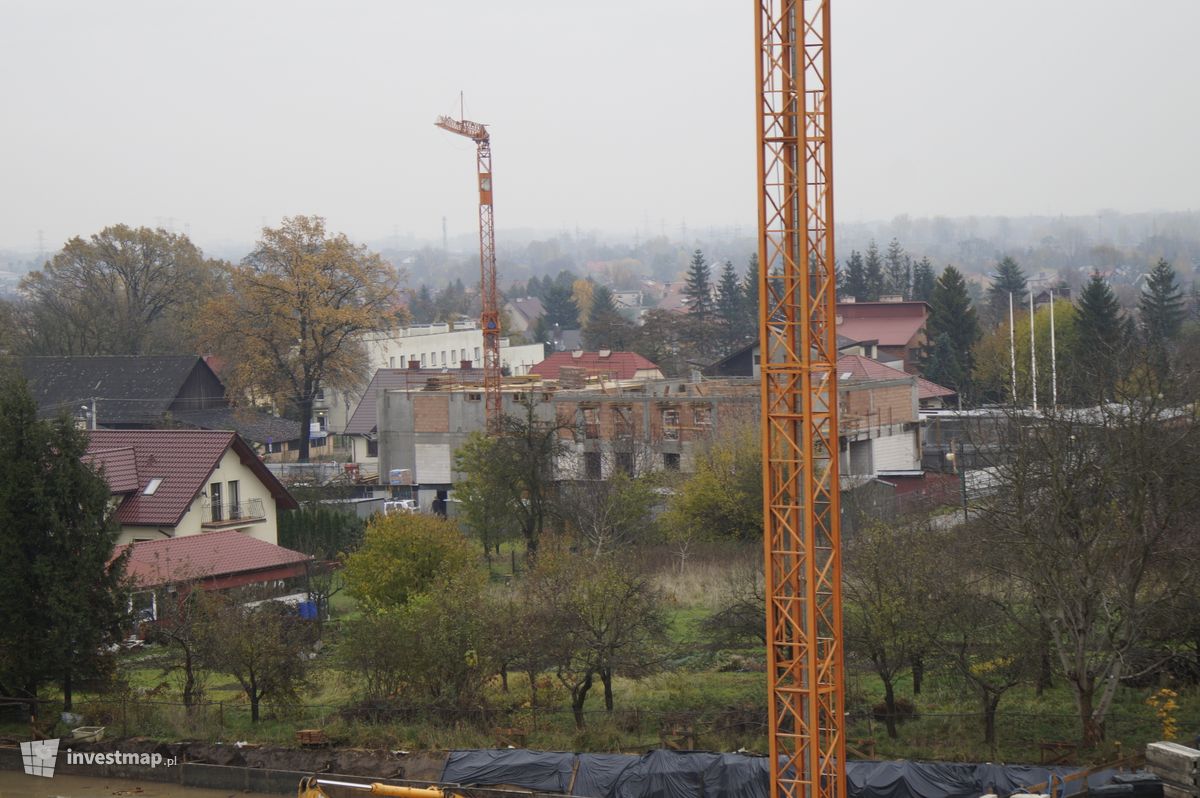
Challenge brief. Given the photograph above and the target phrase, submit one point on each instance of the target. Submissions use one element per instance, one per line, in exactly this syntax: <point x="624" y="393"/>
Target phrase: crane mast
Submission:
<point x="489" y="317"/>
<point x="798" y="339"/>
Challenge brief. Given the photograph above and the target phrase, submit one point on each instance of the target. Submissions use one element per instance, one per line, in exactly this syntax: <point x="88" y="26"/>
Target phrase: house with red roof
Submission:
<point x="169" y="568"/>
<point x="220" y="560"/>
<point x="604" y="364"/>
<point x="176" y="483"/>
<point x="930" y="395"/>
<point x="897" y="327"/>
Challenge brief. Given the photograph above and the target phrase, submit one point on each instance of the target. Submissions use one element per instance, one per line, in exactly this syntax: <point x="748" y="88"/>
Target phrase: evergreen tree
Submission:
<point x="1102" y="336"/>
<point x="856" y="278"/>
<point x="876" y="282"/>
<point x="750" y="295"/>
<point x="944" y="365"/>
<point x="420" y="305"/>
<point x="62" y="600"/>
<point x="1161" y="305"/>
<point x="731" y="308"/>
<point x="899" y="270"/>
<point x="606" y="328"/>
<point x="923" y="280"/>
<point x="698" y="288"/>
<point x="560" y="307"/>
<point x="954" y="330"/>
<point x="1008" y="279"/>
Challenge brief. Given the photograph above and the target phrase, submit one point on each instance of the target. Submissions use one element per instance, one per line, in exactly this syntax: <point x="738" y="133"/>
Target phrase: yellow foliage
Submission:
<point x="296" y="307"/>
<point x="405" y="557"/>
<point x="1164" y="705"/>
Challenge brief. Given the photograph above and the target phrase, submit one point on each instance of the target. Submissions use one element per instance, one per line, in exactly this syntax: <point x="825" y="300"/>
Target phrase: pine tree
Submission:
<point x="943" y="365"/>
<point x="606" y="328"/>
<point x="750" y="295"/>
<point x="875" y="280"/>
<point x="856" y="278"/>
<point x="899" y="270"/>
<point x="1102" y="335"/>
<point x="954" y="330"/>
<point x="1161" y="305"/>
<point x="698" y="288"/>
<point x="731" y="308"/>
<point x="420" y="305"/>
<point x="923" y="280"/>
<point x="560" y="307"/>
<point x="61" y="598"/>
<point x="1008" y="279"/>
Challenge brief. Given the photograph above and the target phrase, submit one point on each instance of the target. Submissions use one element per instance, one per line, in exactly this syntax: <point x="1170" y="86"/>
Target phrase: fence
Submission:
<point x="1020" y="737"/>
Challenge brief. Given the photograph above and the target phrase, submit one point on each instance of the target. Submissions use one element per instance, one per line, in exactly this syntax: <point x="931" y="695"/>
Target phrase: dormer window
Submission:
<point x="152" y="486"/>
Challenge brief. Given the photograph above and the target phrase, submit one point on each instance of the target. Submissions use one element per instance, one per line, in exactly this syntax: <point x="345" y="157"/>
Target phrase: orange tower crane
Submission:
<point x="798" y="339"/>
<point x="489" y="317"/>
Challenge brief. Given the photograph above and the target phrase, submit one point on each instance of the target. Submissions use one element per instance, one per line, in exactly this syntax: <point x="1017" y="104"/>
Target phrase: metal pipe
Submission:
<point x="375" y="788"/>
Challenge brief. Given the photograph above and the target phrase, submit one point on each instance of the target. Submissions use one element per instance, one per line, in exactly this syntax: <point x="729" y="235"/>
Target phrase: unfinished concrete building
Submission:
<point x="626" y="425"/>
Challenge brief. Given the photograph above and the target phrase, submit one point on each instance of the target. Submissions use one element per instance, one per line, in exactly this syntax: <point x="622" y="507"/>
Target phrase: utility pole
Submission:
<point x="1053" y="359"/>
<point x="1012" y="347"/>
<point x="1032" y="352"/>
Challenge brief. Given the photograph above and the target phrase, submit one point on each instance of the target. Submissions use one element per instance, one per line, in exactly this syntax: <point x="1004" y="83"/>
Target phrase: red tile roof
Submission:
<point x="857" y="367"/>
<point x="118" y="466"/>
<point x="931" y="390"/>
<point x="205" y="556"/>
<point x="183" y="459"/>
<point x="616" y="365"/>
<point x="888" y="323"/>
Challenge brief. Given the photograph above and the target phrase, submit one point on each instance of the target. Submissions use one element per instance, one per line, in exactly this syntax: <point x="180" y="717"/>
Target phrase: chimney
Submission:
<point x="414" y="364"/>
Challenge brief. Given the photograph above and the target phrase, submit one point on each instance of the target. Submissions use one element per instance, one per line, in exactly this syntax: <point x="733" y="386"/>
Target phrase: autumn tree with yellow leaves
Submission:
<point x="296" y="309"/>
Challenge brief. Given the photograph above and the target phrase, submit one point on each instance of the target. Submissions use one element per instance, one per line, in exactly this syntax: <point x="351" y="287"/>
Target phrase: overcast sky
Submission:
<point x="624" y="116"/>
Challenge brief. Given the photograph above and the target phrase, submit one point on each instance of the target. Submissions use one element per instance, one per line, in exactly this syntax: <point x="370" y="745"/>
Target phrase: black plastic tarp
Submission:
<point x="597" y="774"/>
<point x="670" y="774"/>
<point x="547" y="771"/>
<point x="700" y="774"/>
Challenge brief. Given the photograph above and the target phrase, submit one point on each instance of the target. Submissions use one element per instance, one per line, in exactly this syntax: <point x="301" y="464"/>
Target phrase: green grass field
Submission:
<point x="709" y="699"/>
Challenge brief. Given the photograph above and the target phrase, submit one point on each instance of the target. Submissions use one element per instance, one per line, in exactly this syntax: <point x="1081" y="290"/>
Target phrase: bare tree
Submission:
<point x="1095" y="508"/>
<point x="886" y="568"/>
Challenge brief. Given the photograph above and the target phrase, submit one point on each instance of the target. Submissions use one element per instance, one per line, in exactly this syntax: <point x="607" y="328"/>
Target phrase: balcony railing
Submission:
<point x="234" y="513"/>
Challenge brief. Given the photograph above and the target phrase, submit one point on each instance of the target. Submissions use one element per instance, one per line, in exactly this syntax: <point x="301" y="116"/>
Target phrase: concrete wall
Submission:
<point x="896" y="452"/>
<point x="249" y="487"/>
<point x="877" y="403"/>
<point x="435" y="346"/>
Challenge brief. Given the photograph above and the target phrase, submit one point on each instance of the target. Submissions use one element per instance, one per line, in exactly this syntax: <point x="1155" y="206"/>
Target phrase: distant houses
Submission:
<point x="149" y="392"/>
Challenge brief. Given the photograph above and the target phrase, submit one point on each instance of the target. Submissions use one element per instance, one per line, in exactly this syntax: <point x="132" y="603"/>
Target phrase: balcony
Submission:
<point x="230" y="514"/>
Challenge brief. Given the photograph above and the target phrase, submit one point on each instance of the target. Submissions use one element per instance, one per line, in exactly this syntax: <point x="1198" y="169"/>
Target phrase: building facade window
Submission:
<point x="591" y="465"/>
<point x="670" y="423"/>
<point x="671" y="461"/>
